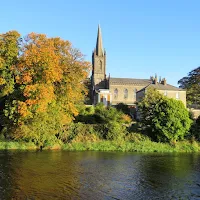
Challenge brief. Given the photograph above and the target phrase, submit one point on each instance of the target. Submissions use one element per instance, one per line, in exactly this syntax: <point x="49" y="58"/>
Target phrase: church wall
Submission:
<point x="121" y="98"/>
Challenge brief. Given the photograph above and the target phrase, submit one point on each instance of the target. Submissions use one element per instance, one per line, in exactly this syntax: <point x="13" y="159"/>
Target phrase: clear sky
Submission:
<point x="141" y="37"/>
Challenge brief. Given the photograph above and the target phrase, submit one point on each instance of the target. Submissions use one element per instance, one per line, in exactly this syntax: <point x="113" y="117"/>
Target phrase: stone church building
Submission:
<point x="112" y="91"/>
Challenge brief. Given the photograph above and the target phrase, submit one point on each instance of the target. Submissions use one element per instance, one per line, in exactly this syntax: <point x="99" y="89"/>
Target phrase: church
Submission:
<point x="112" y="91"/>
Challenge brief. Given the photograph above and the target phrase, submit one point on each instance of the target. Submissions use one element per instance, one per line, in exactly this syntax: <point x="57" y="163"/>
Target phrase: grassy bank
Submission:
<point x="142" y="146"/>
<point x="123" y="146"/>
<point x="14" y="145"/>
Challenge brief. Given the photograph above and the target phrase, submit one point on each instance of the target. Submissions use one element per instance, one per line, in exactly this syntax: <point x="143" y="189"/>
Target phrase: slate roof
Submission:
<point x="129" y="81"/>
<point x="145" y="82"/>
<point x="160" y="86"/>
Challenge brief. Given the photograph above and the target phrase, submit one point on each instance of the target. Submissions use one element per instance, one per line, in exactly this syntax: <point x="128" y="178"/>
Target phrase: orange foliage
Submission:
<point x="126" y="118"/>
<point x="22" y="109"/>
<point x="51" y="71"/>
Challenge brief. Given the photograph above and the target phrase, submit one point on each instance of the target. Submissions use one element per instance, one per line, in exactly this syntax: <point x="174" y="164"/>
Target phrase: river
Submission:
<point x="52" y="175"/>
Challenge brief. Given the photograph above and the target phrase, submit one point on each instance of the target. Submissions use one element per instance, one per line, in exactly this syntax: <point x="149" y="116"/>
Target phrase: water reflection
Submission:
<point x="169" y="177"/>
<point x="46" y="175"/>
<point x="98" y="175"/>
<point x="6" y="179"/>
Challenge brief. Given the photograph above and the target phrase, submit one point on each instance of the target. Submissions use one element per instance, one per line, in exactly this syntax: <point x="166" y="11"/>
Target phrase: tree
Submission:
<point x="162" y="118"/>
<point x="8" y="57"/>
<point x="48" y="76"/>
<point x="192" y="84"/>
<point x="195" y="129"/>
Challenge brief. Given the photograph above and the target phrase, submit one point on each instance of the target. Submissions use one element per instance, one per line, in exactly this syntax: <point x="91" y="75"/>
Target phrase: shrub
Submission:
<point x="79" y="132"/>
<point x="137" y="137"/>
<point x="162" y="118"/>
<point x="195" y="129"/>
<point x="123" y="108"/>
<point x="107" y="122"/>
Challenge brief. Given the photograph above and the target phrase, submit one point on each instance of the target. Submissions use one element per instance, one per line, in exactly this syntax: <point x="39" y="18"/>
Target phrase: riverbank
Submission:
<point x="142" y="146"/>
<point x="123" y="146"/>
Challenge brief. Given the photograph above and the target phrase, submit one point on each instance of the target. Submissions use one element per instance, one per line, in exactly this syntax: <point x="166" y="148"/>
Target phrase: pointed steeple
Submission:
<point x="99" y="45"/>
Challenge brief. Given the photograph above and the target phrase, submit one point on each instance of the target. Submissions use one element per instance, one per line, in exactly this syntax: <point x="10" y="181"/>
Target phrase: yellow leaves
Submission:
<point x="49" y="71"/>
<point x="26" y="78"/>
<point x="46" y="93"/>
<point x="40" y="60"/>
<point x="39" y="95"/>
<point x="30" y="102"/>
<point x="126" y="118"/>
<point x="30" y="90"/>
<point x="46" y="96"/>
<point x="2" y="81"/>
<point x="71" y="108"/>
<point x="65" y="118"/>
<point x="1" y="62"/>
<point x="23" y="109"/>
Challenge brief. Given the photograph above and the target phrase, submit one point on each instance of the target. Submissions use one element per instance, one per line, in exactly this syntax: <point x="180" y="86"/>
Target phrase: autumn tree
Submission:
<point x="48" y="77"/>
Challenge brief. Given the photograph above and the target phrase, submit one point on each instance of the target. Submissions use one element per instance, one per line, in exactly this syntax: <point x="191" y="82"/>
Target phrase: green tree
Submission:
<point x="192" y="84"/>
<point x="9" y="50"/>
<point x="162" y="118"/>
<point x="195" y="129"/>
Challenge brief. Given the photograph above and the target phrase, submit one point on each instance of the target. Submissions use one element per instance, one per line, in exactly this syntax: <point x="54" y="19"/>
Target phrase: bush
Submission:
<point x="79" y="132"/>
<point x="137" y="137"/>
<point x="195" y="129"/>
<point x="162" y="118"/>
<point x="123" y="108"/>
<point x="108" y="122"/>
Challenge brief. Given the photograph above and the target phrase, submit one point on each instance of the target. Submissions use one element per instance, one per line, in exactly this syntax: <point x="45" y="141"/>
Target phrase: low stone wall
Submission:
<point x="196" y="112"/>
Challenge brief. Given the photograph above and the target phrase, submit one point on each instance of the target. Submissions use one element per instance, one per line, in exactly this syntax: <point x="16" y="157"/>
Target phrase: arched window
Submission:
<point x="115" y="93"/>
<point x="134" y="93"/>
<point x="125" y="93"/>
<point x="101" y="65"/>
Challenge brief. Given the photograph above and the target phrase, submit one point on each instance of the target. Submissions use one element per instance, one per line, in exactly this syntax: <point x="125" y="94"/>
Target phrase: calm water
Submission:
<point x="98" y="175"/>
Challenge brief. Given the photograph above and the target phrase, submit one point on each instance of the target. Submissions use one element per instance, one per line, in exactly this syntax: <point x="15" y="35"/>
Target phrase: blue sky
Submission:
<point x="141" y="37"/>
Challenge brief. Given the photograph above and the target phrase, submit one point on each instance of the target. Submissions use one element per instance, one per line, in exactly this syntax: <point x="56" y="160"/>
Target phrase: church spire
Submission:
<point x="99" y="45"/>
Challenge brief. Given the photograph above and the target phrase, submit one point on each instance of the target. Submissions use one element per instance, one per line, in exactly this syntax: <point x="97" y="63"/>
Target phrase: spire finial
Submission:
<point x="99" y="45"/>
